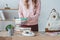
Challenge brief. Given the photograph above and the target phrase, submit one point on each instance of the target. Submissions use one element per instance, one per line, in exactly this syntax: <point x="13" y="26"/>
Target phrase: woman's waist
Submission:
<point x="31" y="23"/>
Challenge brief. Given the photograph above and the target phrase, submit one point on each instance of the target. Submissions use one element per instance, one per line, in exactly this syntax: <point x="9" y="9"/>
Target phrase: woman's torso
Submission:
<point x="29" y="13"/>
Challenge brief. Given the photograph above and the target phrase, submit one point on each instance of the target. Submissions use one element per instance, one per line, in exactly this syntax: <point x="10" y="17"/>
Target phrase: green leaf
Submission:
<point x="9" y="27"/>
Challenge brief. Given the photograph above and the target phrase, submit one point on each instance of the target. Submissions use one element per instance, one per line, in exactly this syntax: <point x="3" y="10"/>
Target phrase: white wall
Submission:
<point x="3" y="24"/>
<point x="11" y="3"/>
<point x="10" y="14"/>
<point x="46" y="7"/>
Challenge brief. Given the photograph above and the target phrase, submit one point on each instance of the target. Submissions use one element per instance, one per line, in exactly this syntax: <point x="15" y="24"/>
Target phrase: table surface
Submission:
<point x="38" y="36"/>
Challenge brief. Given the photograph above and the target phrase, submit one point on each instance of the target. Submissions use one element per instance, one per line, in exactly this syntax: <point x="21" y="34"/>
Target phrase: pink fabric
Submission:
<point x="29" y="13"/>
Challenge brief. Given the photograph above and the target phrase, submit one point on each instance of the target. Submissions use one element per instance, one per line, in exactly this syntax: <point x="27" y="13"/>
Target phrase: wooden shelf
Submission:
<point x="7" y="20"/>
<point x="8" y="9"/>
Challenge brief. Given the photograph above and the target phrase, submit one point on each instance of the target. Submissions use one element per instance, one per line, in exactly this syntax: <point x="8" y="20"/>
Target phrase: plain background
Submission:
<point x="46" y="7"/>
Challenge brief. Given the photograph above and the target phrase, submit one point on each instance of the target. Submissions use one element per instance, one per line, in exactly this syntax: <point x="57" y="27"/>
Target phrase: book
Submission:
<point x="2" y="15"/>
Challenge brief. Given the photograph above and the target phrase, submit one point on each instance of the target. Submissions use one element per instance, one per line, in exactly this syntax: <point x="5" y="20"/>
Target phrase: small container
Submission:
<point x="10" y="32"/>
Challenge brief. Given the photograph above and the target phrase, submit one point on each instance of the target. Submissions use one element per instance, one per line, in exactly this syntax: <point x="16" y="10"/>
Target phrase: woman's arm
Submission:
<point x="37" y="13"/>
<point x="20" y="12"/>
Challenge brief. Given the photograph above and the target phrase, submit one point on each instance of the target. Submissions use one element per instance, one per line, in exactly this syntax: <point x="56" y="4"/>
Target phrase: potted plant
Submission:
<point x="10" y="29"/>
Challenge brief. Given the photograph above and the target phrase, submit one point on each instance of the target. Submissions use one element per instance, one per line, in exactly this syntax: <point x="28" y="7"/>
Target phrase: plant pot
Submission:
<point x="10" y="32"/>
